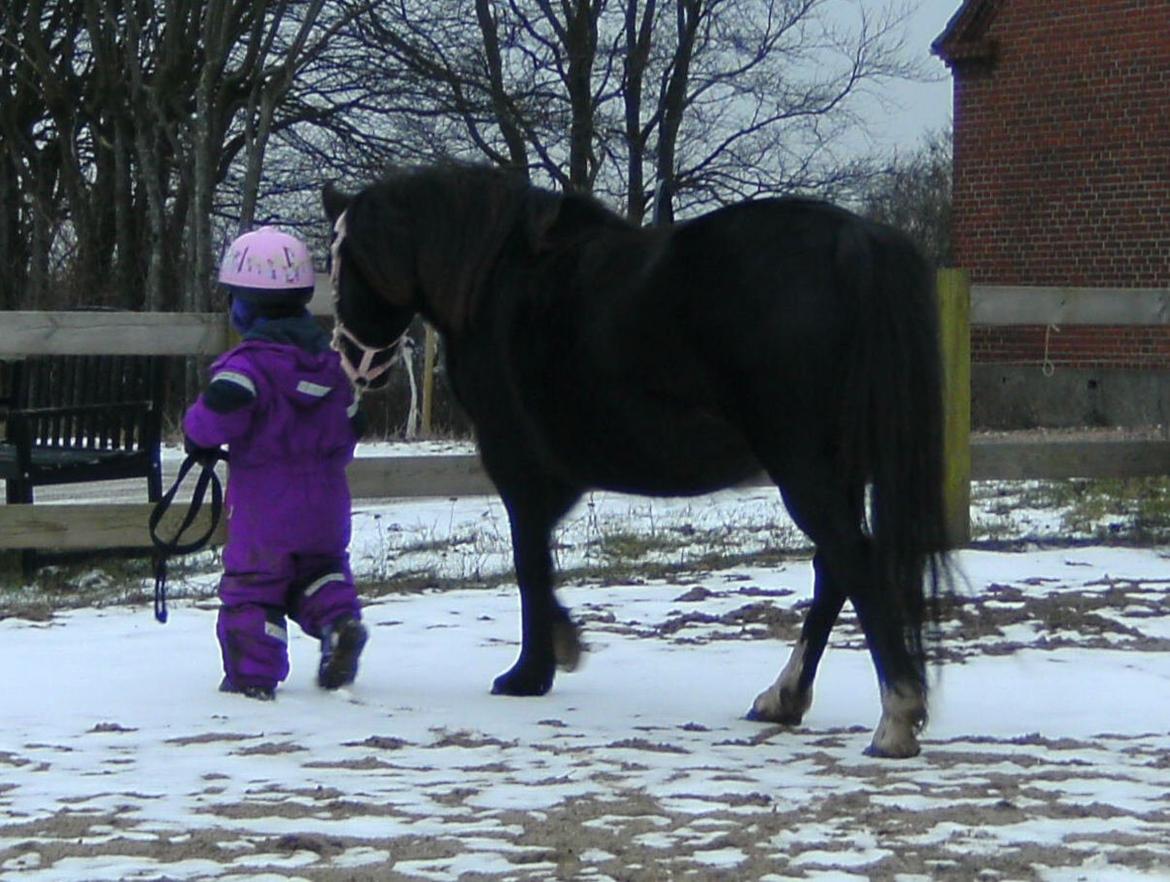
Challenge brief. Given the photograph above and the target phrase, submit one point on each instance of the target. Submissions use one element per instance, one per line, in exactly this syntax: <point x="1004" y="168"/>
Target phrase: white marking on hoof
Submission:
<point x="782" y="702"/>
<point x="903" y="715"/>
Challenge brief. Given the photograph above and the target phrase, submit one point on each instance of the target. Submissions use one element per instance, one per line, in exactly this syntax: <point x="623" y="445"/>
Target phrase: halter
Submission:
<point x="364" y="373"/>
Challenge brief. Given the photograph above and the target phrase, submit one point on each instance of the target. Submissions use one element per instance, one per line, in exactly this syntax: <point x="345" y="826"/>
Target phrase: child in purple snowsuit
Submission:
<point x="283" y="406"/>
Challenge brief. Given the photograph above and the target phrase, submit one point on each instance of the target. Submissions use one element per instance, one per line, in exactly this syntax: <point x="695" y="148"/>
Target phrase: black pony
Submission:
<point x="783" y="335"/>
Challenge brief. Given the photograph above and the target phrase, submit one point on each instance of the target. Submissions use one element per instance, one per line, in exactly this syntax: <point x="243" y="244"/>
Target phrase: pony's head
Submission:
<point x="433" y="240"/>
<point x="374" y="295"/>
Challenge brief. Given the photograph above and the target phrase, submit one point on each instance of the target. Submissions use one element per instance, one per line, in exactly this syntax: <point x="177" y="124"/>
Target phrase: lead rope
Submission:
<point x="165" y="548"/>
<point x="1046" y="366"/>
<point x="411" y="429"/>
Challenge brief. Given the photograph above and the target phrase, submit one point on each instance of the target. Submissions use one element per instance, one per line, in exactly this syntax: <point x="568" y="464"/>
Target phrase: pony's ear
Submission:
<point x="553" y="219"/>
<point x="541" y="210"/>
<point x="334" y="201"/>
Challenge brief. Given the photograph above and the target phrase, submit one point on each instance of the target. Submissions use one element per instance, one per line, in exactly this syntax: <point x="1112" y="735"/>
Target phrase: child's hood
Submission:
<point x="303" y="377"/>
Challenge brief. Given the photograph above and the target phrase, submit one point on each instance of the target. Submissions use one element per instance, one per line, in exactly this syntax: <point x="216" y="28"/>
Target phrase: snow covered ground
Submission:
<point x="1047" y="756"/>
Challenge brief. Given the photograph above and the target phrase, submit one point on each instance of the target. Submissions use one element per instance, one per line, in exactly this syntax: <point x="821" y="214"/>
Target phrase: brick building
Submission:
<point x="1062" y="166"/>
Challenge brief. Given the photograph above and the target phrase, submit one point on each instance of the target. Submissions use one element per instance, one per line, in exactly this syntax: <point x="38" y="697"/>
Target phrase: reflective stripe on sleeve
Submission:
<point x="237" y="379"/>
<point x="314" y="389"/>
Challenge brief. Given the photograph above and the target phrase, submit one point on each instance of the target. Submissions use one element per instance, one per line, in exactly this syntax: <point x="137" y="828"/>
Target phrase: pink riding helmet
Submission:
<point x="267" y="258"/>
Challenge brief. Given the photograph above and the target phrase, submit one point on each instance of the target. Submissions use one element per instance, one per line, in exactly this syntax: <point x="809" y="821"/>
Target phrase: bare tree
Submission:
<point x="120" y="123"/>
<point x="703" y="101"/>
<point x="44" y="121"/>
<point x="913" y="193"/>
<point x="29" y="163"/>
<point x="137" y="137"/>
<point x="239" y="60"/>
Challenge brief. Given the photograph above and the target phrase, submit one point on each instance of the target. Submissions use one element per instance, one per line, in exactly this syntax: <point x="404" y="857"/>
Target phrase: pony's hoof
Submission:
<point x="567" y="646"/>
<point x="756" y="716"/>
<point x="780" y="706"/>
<point x="902" y="749"/>
<point x="522" y="681"/>
<point x="903" y="716"/>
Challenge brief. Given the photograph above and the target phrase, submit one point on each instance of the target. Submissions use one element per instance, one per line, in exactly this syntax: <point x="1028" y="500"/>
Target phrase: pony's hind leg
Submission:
<point x="786" y="700"/>
<point x="902" y="680"/>
<point x="829" y="513"/>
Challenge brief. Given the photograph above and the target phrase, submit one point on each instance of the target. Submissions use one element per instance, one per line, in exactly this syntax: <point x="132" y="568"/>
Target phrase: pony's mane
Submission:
<point x="461" y="219"/>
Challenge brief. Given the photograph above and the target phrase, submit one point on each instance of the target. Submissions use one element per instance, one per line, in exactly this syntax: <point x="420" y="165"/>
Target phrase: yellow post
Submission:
<point x="954" y="299"/>
<point x="428" y="391"/>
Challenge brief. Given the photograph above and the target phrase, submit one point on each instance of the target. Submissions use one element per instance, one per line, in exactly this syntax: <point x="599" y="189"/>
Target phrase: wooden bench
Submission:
<point x="72" y="419"/>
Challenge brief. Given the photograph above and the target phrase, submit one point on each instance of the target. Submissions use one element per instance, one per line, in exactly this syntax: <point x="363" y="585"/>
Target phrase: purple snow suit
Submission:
<point x="289" y="435"/>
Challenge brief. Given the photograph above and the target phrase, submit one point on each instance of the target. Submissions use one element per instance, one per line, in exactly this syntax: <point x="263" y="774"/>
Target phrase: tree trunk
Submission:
<point x="638" y="41"/>
<point x="258" y="127"/>
<point x="126" y="269"/>
<point x="13" y="251"/>
<point x="687" y="13"/>
<point x="581" y="44"/>
<point x="37" y="290"/>
<point x="505" y="116"/>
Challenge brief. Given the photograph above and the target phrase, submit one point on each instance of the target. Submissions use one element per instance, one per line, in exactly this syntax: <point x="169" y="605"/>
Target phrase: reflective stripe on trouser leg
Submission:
<point x="325" y="592"/>
<point x="254" y="642"/>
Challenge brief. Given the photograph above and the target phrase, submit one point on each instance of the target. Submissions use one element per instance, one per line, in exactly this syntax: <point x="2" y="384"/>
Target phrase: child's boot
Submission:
<point x="342" y="642"/>
<point x="260" y="693"/>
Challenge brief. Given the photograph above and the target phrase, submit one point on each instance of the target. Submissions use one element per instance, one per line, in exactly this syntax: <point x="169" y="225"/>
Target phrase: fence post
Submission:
<point x="954" y="300"/>
<point x="428" y="391"/>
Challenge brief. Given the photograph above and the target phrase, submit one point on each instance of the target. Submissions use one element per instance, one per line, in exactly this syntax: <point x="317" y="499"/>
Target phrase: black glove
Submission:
<point x="205" y="456"/>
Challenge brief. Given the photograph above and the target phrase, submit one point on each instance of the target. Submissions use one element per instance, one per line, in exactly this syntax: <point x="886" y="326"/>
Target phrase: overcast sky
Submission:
<point x="919" y="107"/>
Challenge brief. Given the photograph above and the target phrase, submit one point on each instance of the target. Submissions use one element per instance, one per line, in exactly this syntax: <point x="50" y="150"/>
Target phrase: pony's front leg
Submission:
<point x="533" y="672"/>
<point x="547" y="635"/>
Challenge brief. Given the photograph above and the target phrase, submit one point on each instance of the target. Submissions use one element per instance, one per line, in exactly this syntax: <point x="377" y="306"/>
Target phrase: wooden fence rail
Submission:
<point x="112" y="333"/>
<point x="69" y="526"/>
<point x="123" y="525"/>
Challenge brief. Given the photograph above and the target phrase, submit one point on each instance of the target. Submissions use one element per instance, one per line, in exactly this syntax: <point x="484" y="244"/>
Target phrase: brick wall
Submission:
<point x="1062" y="165"/>
<point x="1124" y="346"/>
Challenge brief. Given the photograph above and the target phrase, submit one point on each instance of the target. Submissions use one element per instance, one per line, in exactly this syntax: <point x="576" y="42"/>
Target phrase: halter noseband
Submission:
<point x="364" y="373"/>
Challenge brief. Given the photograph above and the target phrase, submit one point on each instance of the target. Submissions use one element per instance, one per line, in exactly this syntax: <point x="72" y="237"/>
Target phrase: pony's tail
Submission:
<point x="894" y="423"/>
